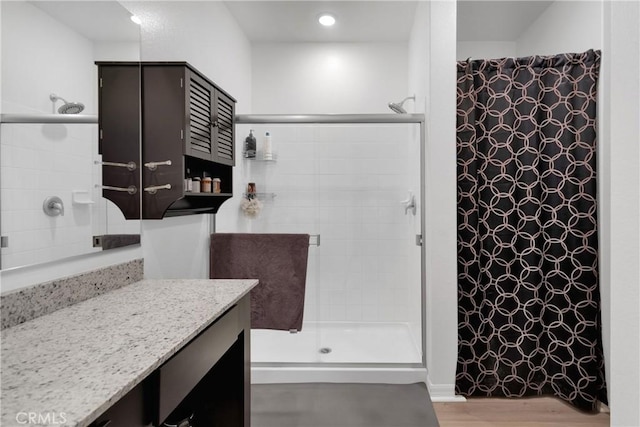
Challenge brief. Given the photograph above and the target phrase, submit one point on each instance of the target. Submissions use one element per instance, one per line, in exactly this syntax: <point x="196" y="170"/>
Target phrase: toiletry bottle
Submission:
<point x="196" y="183"/>
<point x="250" y="146"/>
<point x="187" y="181"/>
<point x="267" y="147"/>
<point x="251" y="190"/>
<point x="206" y="184"/>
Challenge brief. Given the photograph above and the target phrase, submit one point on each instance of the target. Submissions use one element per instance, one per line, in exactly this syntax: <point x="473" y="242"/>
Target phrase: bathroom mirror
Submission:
<point x="51" y="204"/>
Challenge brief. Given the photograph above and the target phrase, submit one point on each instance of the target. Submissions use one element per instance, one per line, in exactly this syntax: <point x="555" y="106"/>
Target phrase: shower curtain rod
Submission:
<point x="240" y="119"/>
<point x="328" y="118"/>
<point x="48" y="118"/>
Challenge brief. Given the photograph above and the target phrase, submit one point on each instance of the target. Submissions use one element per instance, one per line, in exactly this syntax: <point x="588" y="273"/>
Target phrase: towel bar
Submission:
<point x="317" y="240"/>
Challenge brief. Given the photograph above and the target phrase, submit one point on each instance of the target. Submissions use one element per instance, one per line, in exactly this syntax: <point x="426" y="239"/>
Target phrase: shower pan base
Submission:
<point x="338" y="342"/>
<point x="337" y="352"/>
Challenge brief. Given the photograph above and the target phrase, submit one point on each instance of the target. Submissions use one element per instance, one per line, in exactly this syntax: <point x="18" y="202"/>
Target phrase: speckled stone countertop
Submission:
<point x="75" y="363"/>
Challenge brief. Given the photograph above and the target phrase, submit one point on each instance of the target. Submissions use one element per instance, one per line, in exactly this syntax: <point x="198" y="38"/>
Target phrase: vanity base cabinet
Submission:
<point x="208" y="378"/>
<point x="128" y="411"/>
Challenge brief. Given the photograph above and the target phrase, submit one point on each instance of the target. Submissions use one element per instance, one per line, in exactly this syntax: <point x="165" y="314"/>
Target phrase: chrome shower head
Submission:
<point x="67" y="107"/>
<point x="397" y="106"/>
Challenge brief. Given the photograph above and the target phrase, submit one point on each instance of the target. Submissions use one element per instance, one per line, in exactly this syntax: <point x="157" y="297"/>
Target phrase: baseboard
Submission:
<point x="443" y="392"/>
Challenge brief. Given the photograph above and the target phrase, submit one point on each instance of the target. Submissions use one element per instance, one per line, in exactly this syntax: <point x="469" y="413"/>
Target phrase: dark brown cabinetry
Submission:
<point x="187" y="125"/>
<point x="119" y="139"/>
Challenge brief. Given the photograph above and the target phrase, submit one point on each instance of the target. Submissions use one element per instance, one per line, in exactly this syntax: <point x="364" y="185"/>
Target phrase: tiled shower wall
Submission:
<point x="39" y="161"/>
<point x="42" y="160"/>
<point x="345" y="183"/>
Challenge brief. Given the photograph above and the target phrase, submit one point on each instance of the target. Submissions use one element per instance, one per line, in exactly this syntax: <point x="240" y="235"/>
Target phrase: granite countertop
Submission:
<point x="75" y="363"/>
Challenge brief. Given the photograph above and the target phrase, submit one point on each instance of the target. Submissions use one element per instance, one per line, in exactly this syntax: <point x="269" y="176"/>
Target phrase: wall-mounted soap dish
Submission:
<point x="81" y="197"/>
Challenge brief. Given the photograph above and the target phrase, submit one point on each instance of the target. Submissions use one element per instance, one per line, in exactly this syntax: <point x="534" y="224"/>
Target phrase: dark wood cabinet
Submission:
<point x="187" y="124"/>
<point x="130" y="411"/>
<point x="119" y="138"/>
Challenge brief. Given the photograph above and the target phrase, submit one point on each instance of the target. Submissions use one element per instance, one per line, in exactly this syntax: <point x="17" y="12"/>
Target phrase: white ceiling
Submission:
<point x="96" y="20"/>
<point x="377" y="21"/>
<point x="297" y="21"/>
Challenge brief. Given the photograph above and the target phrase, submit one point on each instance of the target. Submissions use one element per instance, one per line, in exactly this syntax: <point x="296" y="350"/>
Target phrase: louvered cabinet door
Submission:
<point x="224" y="126"/>
<point x="200" y="140"/>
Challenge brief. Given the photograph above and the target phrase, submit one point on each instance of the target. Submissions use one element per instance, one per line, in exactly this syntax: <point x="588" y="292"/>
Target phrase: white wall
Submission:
<point x="308" y="78"/>
<point x="432" y="47"/>
<point x="33" y="38"/>
<point x="621" y="206"/>
<point x="205" y="35"/>
<point x="485" y="50"/>
<point x="565" y="26"/>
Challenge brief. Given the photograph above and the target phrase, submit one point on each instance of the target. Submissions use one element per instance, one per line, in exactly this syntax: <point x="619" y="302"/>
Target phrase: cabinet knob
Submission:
<point x="214" y="124"/>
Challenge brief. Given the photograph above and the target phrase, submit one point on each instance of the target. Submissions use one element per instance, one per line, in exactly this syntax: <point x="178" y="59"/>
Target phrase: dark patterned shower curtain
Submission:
<point x="528" y="297"/>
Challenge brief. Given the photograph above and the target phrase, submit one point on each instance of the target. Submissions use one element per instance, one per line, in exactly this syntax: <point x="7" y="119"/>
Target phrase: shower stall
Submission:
<point x="353" y="182"/>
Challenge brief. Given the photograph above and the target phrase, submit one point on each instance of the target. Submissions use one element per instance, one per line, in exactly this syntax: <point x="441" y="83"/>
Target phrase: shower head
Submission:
<point x="397" y="106"/>
<point x="67" y="107"/>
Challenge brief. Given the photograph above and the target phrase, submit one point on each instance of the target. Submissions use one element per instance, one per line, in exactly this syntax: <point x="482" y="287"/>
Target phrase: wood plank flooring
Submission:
<point x="529" y="412"/>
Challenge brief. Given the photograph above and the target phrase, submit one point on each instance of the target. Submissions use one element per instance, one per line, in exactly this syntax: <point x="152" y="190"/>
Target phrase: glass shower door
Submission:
<point x="353" y="186"/>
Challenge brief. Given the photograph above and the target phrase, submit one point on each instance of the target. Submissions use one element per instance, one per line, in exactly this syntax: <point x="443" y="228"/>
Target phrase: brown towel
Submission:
<point x="278" y="261"/>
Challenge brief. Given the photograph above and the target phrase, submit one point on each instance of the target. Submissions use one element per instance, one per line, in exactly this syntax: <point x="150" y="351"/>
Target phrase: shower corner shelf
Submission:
<point x="260" y="158"/>
<point x="262" y="196"/>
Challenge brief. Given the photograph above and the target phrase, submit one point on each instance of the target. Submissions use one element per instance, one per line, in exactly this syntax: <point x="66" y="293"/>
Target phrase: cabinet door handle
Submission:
<point x="154" y="189"/>
<point x="130" y="189"/>
<point x="214" y="124"/>
<point x="131" y="166"/>
<point x="154" y="165"/>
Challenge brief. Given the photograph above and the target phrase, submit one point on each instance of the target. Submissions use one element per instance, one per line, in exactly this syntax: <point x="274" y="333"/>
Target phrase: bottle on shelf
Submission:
<point x="187" y="181"/>
<point x="250" y="146"/>
<point x="267" y="148"/>
<point x="206" y="184"/>
<point x="195" y="184"/>
<point x="251" y="190"/>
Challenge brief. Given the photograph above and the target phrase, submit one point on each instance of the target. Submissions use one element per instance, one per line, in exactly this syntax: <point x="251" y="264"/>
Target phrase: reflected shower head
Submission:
<point x="398" y="108"/>
<point x="67" y="107"/>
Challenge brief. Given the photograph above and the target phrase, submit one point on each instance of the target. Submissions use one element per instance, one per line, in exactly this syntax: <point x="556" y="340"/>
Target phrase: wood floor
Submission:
<point x="531" y="412"/>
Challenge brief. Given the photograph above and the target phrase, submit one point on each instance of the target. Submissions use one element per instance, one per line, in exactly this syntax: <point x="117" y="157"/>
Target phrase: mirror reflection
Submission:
<point x="51" y="204"/>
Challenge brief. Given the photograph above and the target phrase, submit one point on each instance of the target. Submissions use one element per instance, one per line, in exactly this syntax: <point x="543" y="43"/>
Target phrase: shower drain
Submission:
<point x="325" y="350"/>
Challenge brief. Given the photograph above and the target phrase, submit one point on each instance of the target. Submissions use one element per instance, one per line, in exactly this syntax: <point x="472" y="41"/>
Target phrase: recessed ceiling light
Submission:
<point x="327" y="20"/>
<point x="136" y="20"/>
